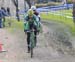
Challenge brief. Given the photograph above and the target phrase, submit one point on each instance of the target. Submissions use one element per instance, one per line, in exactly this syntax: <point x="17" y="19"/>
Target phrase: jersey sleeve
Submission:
<point x="26" y="18"/>
<point x="4" y="13"/>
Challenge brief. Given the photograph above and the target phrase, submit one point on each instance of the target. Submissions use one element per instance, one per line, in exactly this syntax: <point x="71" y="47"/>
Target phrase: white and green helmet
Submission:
<point x="33" y="7"/>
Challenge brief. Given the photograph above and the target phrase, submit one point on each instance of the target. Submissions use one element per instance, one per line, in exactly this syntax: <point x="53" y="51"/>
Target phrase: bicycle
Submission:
<point x="32" y="42"/>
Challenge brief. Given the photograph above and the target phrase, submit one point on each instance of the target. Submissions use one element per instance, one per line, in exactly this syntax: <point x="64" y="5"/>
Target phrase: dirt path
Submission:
<point x="16" y="47"/>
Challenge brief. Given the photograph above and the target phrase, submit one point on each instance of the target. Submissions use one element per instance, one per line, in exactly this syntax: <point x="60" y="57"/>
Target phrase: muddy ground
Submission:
<point x="51" y="46"/>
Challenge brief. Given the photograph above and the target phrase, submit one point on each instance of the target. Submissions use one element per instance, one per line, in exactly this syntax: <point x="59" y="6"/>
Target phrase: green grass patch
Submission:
<point x="66" y="12"/>
<point x="61" y="19"/>
<point x="15" y="25"/>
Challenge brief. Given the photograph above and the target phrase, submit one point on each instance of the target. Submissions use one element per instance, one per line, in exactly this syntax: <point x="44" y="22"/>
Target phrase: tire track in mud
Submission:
<point x="61" y="38"/>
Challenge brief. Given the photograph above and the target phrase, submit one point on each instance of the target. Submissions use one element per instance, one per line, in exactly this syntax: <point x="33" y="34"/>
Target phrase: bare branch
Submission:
<point x="14" y="2"/>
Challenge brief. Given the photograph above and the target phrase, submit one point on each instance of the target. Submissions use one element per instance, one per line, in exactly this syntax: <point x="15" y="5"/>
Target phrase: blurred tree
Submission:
<point x="28" y="2"/>
<point x="15" y="2"/>
<point x="2" y="2"/>
<point x="74" y="11"/>
<point x="25" y="5"/>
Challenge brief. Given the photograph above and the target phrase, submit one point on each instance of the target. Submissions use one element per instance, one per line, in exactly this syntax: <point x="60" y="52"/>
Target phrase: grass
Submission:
<point x="61" y="19"/>
<point x="66" y="12"/>
<point x="15" y="25"/>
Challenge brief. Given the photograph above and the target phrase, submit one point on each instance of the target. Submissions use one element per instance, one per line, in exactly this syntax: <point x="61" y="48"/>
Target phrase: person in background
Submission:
<point x="3" y="15"/>
<point x="36" y="12"/>
<point x="0" y="18"/>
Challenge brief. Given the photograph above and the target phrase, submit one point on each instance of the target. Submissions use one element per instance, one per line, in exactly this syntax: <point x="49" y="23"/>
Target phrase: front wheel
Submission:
<point x="32" y="43"/>
<point x="31" y="52"/>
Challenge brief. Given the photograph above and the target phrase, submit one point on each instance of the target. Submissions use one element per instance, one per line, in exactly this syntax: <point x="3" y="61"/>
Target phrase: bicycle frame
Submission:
<point x="32" y="42"/>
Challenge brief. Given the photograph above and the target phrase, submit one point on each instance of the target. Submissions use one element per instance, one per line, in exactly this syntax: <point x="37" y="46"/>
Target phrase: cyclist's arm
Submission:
<point x="25" y="19"/>
<point x="25" y="23"/>
<point x="4" y="13"/>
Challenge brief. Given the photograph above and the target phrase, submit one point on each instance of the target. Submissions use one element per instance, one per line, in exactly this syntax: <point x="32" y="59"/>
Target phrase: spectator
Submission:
<point x="0" y="18"/>
<point x="3" y="15"/>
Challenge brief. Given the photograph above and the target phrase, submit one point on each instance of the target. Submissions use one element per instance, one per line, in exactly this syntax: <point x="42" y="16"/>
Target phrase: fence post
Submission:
<point x="73" y="12"/>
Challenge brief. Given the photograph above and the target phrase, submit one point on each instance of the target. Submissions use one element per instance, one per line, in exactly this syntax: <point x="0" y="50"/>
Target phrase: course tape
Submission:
<point x="59" y="14"/>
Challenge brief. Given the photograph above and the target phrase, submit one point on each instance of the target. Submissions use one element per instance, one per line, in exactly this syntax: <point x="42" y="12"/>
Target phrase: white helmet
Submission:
<point x="33" y="7"/>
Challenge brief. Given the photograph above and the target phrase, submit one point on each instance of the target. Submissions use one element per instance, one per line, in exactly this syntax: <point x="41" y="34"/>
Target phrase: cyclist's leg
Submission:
<point x="35" y="38"/>
<point x="28" y="41"/>
<point x="35" y="33"/>
<point x="28" y="38"/>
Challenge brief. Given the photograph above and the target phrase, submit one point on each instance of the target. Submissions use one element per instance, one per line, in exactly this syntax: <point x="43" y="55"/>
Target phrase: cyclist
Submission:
<point x="30" y="24"/>
<point x="35" y="12"/>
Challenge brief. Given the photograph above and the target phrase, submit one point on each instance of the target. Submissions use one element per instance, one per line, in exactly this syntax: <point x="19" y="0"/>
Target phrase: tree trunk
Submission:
<point x="2" y="4"/>
<point x="25" y="5"/>
<point x="74" y="12"/>
<point x="28" y="2"/>
<point x="15" y="2"/>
